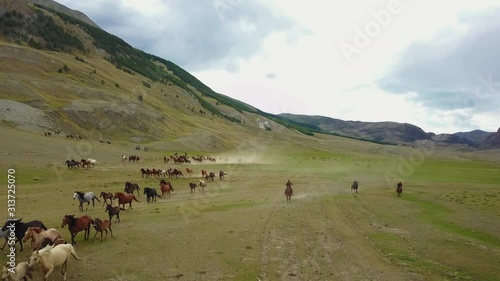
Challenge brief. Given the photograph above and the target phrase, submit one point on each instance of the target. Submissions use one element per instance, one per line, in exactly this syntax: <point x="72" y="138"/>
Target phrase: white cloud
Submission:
<point x="285" y="56"/>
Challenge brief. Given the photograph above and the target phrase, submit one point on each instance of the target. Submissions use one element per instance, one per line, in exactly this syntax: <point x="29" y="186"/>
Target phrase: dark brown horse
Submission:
<point x="76" y="225"/>
<point x="86" y="163"/>
<point x="354" y="186"/>
<point x="130" y="187"/>
<point x="106" y="196"/>
<point x="112" y="211"/>
<point x="211" y="176"/>
<point x="146" y="172"/>
<point x="125" y="199"/>
<point x="166" y="187"/>
<point x="177" y="173"/>
<point x="221" y="175"/>
<point x="399" y="189"/>
<point x="193" y="186"/>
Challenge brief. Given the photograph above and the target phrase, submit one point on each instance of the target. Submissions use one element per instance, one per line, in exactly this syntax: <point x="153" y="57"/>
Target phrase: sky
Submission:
<point x="433" y="64"/>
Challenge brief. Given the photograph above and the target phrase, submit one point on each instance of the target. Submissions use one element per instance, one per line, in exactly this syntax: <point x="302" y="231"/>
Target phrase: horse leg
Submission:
<point x="88" y="231"/>
<point x="94" y="236"/>
<point x="111" y="231"/>
<point x="64" y="268"/>
<point x="47" y="273"/>
<point x="6" y="240"/>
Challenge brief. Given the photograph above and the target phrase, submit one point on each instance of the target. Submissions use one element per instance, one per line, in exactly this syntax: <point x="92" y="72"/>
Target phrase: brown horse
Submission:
<point x="46" y="241"/>
<point x="130" y="187"/>
<point x="125" y="199"/>
<point x="288" y="193"/>
<point x="113" y="211"/>
<point x="76" y="225"/>
<point x="37" y="235"/>
<point x="86" y="163"/>
<point x="211" y="176"/>
<point x="106" y="196"/>
<point x="204" y="173"/>
<point x="399" y="189"/>
<point x="101" y="226"/>
<point x="177" y="173"/>
<point x="166" y="187"/>
<point x="193" y="186"/>
<point x="189" y="171"/>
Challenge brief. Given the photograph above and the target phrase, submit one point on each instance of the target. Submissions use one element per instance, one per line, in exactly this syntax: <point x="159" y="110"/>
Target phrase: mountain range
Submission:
<point x="61" y="72"/>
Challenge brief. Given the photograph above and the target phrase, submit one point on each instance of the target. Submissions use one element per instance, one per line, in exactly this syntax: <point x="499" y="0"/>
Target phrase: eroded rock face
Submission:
<point x="23" y="116"/>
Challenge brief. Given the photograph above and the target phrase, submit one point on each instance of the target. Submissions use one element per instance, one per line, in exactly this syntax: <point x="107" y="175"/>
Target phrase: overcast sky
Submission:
<point x="434" y="64"/>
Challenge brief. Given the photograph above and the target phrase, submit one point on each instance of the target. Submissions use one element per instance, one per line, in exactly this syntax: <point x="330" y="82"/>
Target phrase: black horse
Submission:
<point x="20" y="228"/>
<point x="71" y="164"/>
<point x="130" y="187"/>
<point x="151" y="194"/>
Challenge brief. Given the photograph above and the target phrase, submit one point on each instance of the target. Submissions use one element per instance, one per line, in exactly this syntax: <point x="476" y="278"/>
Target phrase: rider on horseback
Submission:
<point x="289" y="183"/>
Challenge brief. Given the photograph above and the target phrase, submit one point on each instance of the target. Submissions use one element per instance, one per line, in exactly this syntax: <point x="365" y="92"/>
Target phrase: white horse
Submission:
<point x="124" y="158"/>
<point x="85" y="198"/>
<point x="18" y="273"/>
<point x="92" y="161"/>
<point x="203" y="185"/>
<point x="51" y="257"/>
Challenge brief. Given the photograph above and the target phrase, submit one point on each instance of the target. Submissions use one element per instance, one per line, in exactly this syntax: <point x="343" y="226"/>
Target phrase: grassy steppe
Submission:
<point x="445" y="227"/>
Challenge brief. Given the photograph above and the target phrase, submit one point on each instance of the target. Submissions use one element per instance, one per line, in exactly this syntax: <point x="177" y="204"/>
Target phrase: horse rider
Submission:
<point x="289" y="184"/>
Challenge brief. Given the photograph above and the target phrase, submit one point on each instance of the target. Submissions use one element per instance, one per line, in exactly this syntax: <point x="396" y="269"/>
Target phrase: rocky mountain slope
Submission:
<point x="60" y="72"/>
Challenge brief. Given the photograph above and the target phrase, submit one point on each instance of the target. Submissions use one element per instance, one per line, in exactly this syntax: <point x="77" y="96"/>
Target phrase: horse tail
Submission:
<point x="72" y="251"/>
<point x="133" y="197"/>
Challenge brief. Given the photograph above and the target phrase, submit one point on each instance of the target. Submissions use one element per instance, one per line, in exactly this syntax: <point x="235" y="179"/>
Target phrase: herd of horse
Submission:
<point x="84" y="163"/>
<point x="51" y="250"/>
<point x="399" y="188"/>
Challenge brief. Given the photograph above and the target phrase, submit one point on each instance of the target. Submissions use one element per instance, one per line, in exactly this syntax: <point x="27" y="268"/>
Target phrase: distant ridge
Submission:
<point x="393" y="132"/>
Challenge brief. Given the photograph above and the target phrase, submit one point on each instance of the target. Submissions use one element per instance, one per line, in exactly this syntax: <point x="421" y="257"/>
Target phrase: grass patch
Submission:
<point x="434" y="214"/>
<point x="230" y="206"/>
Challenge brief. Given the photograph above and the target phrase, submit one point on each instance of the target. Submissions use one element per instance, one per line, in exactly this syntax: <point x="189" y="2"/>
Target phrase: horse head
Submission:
<point x="34" y="259"/>
<point x="68" y="219"/>
<point x="10" y="222"/>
